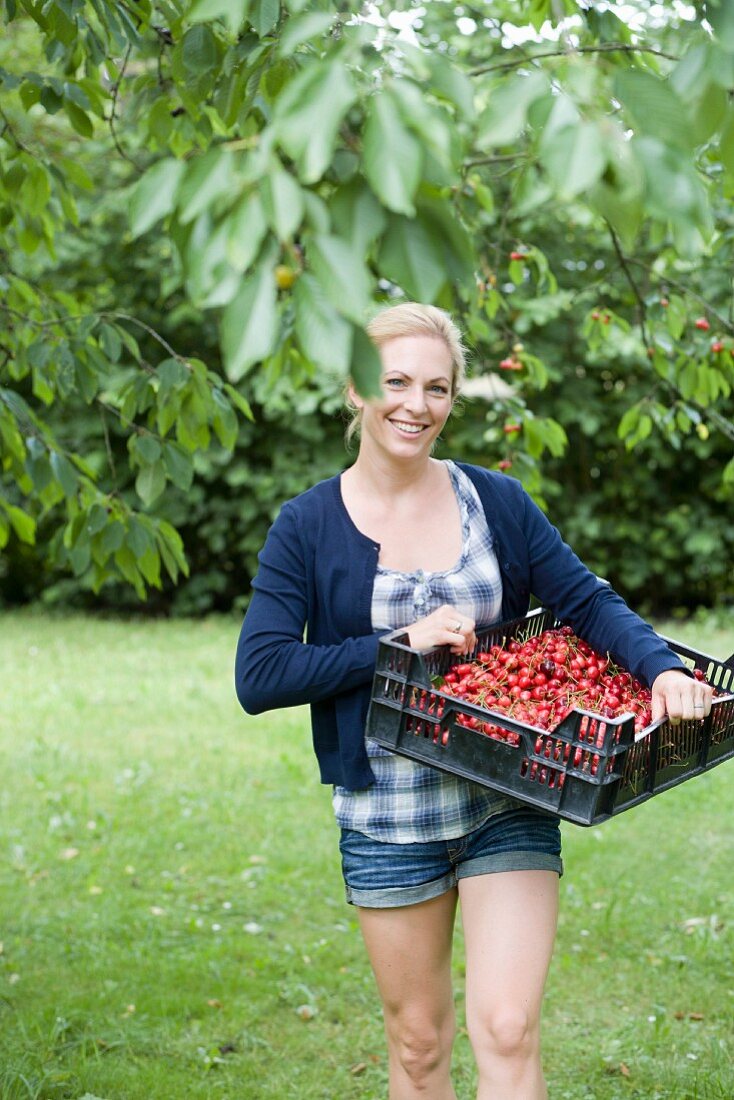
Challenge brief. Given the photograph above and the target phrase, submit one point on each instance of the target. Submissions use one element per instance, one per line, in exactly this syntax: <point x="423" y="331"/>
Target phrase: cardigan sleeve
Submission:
<point x="274" y="666"/>
<point x="595" y="611"/>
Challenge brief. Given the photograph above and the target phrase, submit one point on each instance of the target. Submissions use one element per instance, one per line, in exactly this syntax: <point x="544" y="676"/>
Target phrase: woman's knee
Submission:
<point x="505" y="1032"/>
<point x="422" y="1048"/>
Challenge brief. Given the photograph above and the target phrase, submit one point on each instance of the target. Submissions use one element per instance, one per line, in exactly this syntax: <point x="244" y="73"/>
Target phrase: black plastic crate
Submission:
<point x="585" y="770"/>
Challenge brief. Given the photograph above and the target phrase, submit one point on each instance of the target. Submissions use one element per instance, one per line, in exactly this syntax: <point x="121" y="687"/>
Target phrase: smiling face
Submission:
<point x="417" y="384"/>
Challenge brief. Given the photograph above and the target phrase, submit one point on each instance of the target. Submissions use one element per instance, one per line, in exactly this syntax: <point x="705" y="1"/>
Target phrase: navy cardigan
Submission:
<point x="317" y="572"/>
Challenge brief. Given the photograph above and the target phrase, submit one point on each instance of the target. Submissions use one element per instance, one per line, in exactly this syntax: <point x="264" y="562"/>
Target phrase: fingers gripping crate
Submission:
<point x="586" y="769"/>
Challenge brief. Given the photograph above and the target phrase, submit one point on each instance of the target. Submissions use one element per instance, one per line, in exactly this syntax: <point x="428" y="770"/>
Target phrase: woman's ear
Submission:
<point x="353" y="397"/>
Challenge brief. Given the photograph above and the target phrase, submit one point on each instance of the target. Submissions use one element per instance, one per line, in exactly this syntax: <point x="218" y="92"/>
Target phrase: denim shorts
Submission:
<point x="381" y="875"/>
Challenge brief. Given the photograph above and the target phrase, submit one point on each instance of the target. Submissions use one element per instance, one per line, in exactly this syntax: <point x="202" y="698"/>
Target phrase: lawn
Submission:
<point x="173" y="922"/>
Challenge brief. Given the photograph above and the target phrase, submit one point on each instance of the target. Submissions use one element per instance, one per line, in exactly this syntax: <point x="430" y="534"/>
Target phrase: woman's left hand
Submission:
<point x="680" y="697"/>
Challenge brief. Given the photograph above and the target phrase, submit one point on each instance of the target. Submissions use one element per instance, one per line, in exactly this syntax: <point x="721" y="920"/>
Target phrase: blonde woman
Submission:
<point x="443" y="549"/>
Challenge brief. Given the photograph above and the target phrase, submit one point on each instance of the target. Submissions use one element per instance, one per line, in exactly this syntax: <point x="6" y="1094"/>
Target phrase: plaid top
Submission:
<point x="410" y="802"/>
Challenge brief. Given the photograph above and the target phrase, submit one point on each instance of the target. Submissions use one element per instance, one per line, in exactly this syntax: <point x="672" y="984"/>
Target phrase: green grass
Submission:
<point x="171" y="896"/>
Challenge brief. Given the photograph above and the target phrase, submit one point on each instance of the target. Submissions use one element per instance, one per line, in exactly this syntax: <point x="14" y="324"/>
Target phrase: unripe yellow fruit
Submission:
<point x="285" y="276"/>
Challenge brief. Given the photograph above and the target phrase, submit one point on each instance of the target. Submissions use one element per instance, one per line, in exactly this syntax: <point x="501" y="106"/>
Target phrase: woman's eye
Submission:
<point x="394" y="382"/>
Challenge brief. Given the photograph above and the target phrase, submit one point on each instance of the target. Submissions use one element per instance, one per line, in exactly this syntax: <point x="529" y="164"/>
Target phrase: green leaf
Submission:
<point x="325" y="338"/>
<point x="413" y="258"/>
<point x="574" y="157"/>
<point x="23" y="524"/>
<point x="239" y="401"/>
<point x="224" y="420"/>
<point x="726" y="145"/>
<point x="150" y="482"/>
<point x="357" y="215"/>
<point x="206" y="178"/>
<point x="97" y="519"/>
<point x="171" y="547"/>
<point x="308" y="114"/>
<point x="654" y="107"/>
<point x="282" y="203"/>
<point x="246" y="228"/>
<point x="342" y="274"/>
<point x="111" y="341"/>
<point x="676" y="316"/>
<point x="199" y="50"/>
<point x="366" y="367"/>
<point x="393" y="158"/>
<point x="79" y="119"/>
<point x="148" y="448"/>
<point x="301" y="28"/>
<point x="504" y="119"/>
<point x="112" y="537"/>
<point x="720" y="14"/>
<point x="126" y="563"/>
<point x="264" y="16"/>
<point x="233" y="12"/>
<point x="154" y="194"/>
<point x="64" y="473"/>
<point x="673" y="191"/>
<point x="250" y="322"/>
<point x="179" y="465"/>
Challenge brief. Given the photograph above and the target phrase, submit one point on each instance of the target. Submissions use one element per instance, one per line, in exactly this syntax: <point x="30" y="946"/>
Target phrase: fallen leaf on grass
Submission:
<point x="68" y="853"/>
<point x="357" y="1068"/>
<point x="306" y="1012"/>
<point x="214" y="1003"/>
<point x="622" y="1068"/>
<point x="689" y="1015"/>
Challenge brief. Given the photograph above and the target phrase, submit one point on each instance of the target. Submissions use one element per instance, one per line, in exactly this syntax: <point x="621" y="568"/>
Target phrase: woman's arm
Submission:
<point x="595" y="611"/>
<point x="274" y="667"/>
<point x="561" y="581"/>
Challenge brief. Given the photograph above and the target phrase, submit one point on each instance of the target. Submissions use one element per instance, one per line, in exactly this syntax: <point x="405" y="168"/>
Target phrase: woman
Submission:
<point x="401" y="540"/>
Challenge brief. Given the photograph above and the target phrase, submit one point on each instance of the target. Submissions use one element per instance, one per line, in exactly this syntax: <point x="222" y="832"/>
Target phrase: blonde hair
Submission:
<point x="413" y="319"/>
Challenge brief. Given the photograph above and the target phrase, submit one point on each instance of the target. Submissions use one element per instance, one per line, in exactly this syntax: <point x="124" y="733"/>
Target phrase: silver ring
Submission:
<point x="458" y="627"/>
<point x="698" y="706"/>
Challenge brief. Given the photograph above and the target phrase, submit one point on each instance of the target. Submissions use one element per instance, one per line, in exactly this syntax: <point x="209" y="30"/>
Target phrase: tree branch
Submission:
<point x="605" y="47"/>
<point x="667" y="281"/>
<point x="502" y="158"/>
<point x="113" y="111"/>
<point x="641" y="307"/>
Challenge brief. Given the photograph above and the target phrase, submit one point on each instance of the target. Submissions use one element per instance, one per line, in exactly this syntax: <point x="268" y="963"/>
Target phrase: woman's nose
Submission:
<point x="415" y="399"/>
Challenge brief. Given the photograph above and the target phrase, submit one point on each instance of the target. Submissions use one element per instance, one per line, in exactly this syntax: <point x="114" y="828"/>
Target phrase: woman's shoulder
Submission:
<point x="318" y="497"/>
<point x="492" y="481"/>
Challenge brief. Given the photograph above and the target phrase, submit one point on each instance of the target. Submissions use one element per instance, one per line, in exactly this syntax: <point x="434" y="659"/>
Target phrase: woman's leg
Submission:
<point x="509" y="921"/>
<point x="410" y="951"/>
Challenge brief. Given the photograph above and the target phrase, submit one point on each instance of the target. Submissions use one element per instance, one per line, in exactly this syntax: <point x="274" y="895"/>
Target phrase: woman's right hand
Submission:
<point x="445" y="626"/>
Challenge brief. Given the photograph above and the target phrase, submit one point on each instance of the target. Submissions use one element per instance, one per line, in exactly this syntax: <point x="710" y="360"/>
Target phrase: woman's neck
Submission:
<point x="377" y="475"/>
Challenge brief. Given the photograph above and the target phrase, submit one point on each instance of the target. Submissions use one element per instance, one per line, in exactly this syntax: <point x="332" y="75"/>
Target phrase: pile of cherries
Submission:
<point x="540" y="680"/>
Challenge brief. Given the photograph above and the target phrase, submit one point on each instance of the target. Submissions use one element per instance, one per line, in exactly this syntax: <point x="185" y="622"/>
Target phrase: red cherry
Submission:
<point x="504" y="464"/>
<point x="517" y="256"/>
<point x="702" y="324"/>
<point x="717" y="346"/>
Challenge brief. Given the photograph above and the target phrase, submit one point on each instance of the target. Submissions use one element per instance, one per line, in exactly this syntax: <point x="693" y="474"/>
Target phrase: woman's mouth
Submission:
<point x="406" y="428"/>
